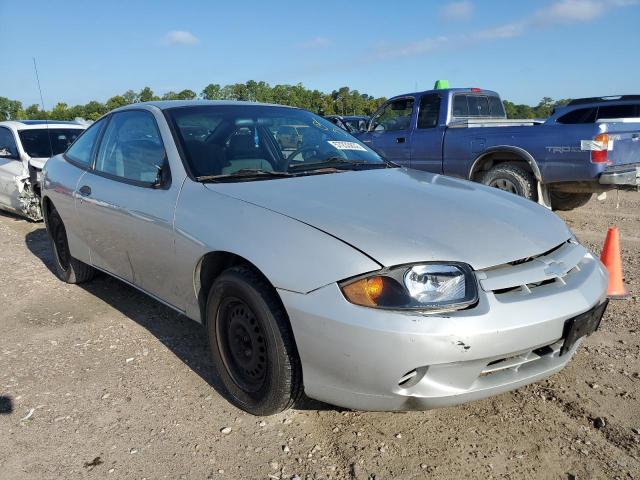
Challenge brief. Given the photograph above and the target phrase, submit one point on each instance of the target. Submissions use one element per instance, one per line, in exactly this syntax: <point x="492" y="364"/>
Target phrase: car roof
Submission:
<point x="167" y="104"/>
<point x="38" y="124"/>
<point x="605" y="100"/>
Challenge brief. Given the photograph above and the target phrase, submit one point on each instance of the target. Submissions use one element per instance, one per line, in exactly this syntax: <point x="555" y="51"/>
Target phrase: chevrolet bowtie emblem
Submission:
<point x="556" y="269"/>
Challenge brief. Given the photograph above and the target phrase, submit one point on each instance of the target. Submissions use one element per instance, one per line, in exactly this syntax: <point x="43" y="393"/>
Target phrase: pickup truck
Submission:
<point x="583" y="148"/>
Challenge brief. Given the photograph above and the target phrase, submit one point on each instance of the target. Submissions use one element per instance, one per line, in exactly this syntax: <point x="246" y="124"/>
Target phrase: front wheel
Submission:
<point x="512" y="178"/>
<point x="565" y="201"/>
<point x="252" y="343"/>
<point x="67" y="268"/>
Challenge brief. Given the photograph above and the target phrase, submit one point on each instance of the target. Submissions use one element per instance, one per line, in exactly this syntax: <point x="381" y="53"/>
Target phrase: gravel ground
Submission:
<point x="99" y="381"/>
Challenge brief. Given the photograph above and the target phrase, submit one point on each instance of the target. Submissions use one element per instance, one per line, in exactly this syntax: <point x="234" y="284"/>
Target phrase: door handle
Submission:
<point x="85" y="190"/>
<point x="400" y="140"/>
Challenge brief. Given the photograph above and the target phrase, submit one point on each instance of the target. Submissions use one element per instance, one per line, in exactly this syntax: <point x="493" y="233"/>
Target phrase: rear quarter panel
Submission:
<point x="556" y="149"/>
<point x="60" y="181"/>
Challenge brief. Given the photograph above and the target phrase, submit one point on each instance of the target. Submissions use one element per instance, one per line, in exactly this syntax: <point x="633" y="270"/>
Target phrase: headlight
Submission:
<point x="427" y="286"/>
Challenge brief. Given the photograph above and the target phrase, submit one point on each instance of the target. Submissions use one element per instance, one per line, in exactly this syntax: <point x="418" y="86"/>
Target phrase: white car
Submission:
<point x="25" y="146"/>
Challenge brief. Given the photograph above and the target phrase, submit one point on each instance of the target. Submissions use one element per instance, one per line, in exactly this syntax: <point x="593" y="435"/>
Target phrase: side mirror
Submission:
<point x="163" y="176"/>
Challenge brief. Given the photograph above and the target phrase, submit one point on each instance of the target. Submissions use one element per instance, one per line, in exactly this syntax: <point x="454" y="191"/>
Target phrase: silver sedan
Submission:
<point x="325" y="270"/>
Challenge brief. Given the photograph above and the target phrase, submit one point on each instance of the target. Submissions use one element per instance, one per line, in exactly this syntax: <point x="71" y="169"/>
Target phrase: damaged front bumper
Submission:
<point x="29" y="194"/>
<point x="370" y="359"/>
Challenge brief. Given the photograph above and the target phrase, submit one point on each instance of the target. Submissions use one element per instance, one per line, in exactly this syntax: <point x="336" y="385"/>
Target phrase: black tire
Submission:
<point x="512" y="178"/>
<point x="565" y="201"/>
<point x="252" y="344"/>
<point x="67" y="268"/>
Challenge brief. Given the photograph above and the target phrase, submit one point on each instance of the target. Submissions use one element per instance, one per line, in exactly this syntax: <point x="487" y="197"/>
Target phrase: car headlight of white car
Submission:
<point x="424" y="286"/>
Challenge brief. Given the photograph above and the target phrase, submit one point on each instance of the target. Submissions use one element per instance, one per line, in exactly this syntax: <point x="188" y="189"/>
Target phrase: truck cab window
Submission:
<point x="497" y="108"/>
<point x="478" y="106"/>
<point x="429" y="111"/>
<point x="396" y="115"/>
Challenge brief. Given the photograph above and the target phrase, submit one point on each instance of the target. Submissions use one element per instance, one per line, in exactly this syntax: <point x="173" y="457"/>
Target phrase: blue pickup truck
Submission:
<point x="589" y="146"/>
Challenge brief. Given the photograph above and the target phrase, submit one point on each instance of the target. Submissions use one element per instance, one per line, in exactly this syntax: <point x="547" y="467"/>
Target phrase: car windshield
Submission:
<point x="45" y="143"/>
<point x="247" y="142"/>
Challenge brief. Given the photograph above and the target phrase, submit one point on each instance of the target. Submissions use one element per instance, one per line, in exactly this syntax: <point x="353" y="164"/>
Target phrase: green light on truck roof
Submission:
<point x="441" y="84"/>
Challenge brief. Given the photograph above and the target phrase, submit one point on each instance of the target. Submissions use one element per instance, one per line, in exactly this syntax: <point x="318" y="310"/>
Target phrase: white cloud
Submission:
<point x="457" y="10"/>
<point x="568" y="11"/>
<point x="180" y="37"/>
<point x="560" y="11"/>
<point x="419" y="47"/>
<point x="317" y="42"/>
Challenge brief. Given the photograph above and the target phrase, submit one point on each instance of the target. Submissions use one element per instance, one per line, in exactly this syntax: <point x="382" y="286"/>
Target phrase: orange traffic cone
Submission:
<point x="611" y="258"/>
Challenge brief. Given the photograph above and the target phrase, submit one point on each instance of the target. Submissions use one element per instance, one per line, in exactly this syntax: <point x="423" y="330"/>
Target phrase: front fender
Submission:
<point x="292" y="255"/>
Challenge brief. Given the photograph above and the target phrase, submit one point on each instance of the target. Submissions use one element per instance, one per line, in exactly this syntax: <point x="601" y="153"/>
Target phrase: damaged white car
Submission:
<point x="25" y="146"/>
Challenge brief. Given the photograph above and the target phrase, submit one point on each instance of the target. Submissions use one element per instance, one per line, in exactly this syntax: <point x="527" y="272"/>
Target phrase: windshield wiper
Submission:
<point x="244" y="174"/>
<point x="337" y="163"/>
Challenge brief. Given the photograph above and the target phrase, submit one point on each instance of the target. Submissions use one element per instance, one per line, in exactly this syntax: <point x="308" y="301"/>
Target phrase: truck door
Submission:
<point x="426" y="138"/>
<point x="389" y="130"/>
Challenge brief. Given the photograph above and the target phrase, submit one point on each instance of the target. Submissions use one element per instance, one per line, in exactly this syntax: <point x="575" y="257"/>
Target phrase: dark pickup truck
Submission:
<point x="590" y="146"/>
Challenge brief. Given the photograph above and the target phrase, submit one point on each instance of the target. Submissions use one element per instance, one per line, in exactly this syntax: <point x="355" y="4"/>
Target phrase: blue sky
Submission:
<point x="525" y="50"/>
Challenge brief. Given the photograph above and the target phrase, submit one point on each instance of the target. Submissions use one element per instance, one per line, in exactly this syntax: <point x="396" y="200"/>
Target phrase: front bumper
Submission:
<point x="370" y="359"/>
<point x="622" y="176"/>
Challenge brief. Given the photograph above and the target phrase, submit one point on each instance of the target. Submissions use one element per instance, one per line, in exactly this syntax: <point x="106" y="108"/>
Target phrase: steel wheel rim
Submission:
<point x="60" y="243"/>
<point x="242" y="344"/>
<point x="504" y="184"/>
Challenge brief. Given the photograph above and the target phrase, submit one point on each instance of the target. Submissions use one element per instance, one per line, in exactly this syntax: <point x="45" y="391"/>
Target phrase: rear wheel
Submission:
<point x="568" y="201"/>
<point x="512" y="178"/>
<point x="67" y="268"/>
<point x="252" y="343"/>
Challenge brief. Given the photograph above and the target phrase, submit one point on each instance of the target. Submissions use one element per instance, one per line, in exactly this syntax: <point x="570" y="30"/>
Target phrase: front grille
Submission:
<point x="524" y="276"/>
<point x="514" y="362"/>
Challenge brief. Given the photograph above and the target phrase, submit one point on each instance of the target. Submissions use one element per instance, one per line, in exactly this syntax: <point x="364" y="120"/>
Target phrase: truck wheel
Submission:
<point x="568" y="201"/>
<point x="67" y="268"/>
<point x="252" y="343"/>
<point x="512" y="178"/>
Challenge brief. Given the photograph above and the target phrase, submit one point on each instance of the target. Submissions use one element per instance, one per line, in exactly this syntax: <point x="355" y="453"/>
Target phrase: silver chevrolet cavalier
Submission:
<point x="321" y="268"/>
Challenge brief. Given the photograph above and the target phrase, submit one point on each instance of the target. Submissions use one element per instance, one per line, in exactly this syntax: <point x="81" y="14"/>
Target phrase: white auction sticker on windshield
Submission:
<point x="346" y="145"/>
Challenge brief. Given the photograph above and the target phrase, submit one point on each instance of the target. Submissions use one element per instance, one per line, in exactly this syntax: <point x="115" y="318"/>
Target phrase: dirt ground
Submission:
<point x="99" y="381"/>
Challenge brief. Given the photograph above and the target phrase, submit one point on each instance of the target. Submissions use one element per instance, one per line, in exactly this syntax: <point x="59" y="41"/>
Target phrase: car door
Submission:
<point x="127" y="201"/>
<point x="10" y="167"/>
<point x="427" y="137"/>
<point x="390" y="129"/>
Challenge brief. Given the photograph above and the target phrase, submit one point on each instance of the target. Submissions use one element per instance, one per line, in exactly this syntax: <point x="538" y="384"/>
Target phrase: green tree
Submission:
<point x="33" y="112"/>
<point x="182" y="95"/>
<point x="60" y="112"/>
<point x="211" y="92"/>
<point x="116" y="102"/>
<point x="10" y="109"/>
<point x="147" y="95"/>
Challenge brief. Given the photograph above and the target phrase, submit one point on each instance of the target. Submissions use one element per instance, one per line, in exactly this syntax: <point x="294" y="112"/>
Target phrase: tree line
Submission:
<point x="342" y="101"/>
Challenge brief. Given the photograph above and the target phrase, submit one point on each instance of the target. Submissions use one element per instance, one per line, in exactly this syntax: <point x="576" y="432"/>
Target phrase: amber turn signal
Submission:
<point x="365" y="291"/>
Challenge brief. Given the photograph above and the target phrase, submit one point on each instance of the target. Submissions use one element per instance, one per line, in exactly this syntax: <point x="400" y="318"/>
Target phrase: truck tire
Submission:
<point x="564" y="201"/>
<point x="512" y="178"/>
<point x="252" y="344"/>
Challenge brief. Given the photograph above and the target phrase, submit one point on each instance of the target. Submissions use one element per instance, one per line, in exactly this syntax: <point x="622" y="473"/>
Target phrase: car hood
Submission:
<point x="399" y="216"/>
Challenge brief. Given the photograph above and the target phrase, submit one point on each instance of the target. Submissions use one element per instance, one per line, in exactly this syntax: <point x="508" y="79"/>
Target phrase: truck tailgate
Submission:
<point x="624" y="140"/>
